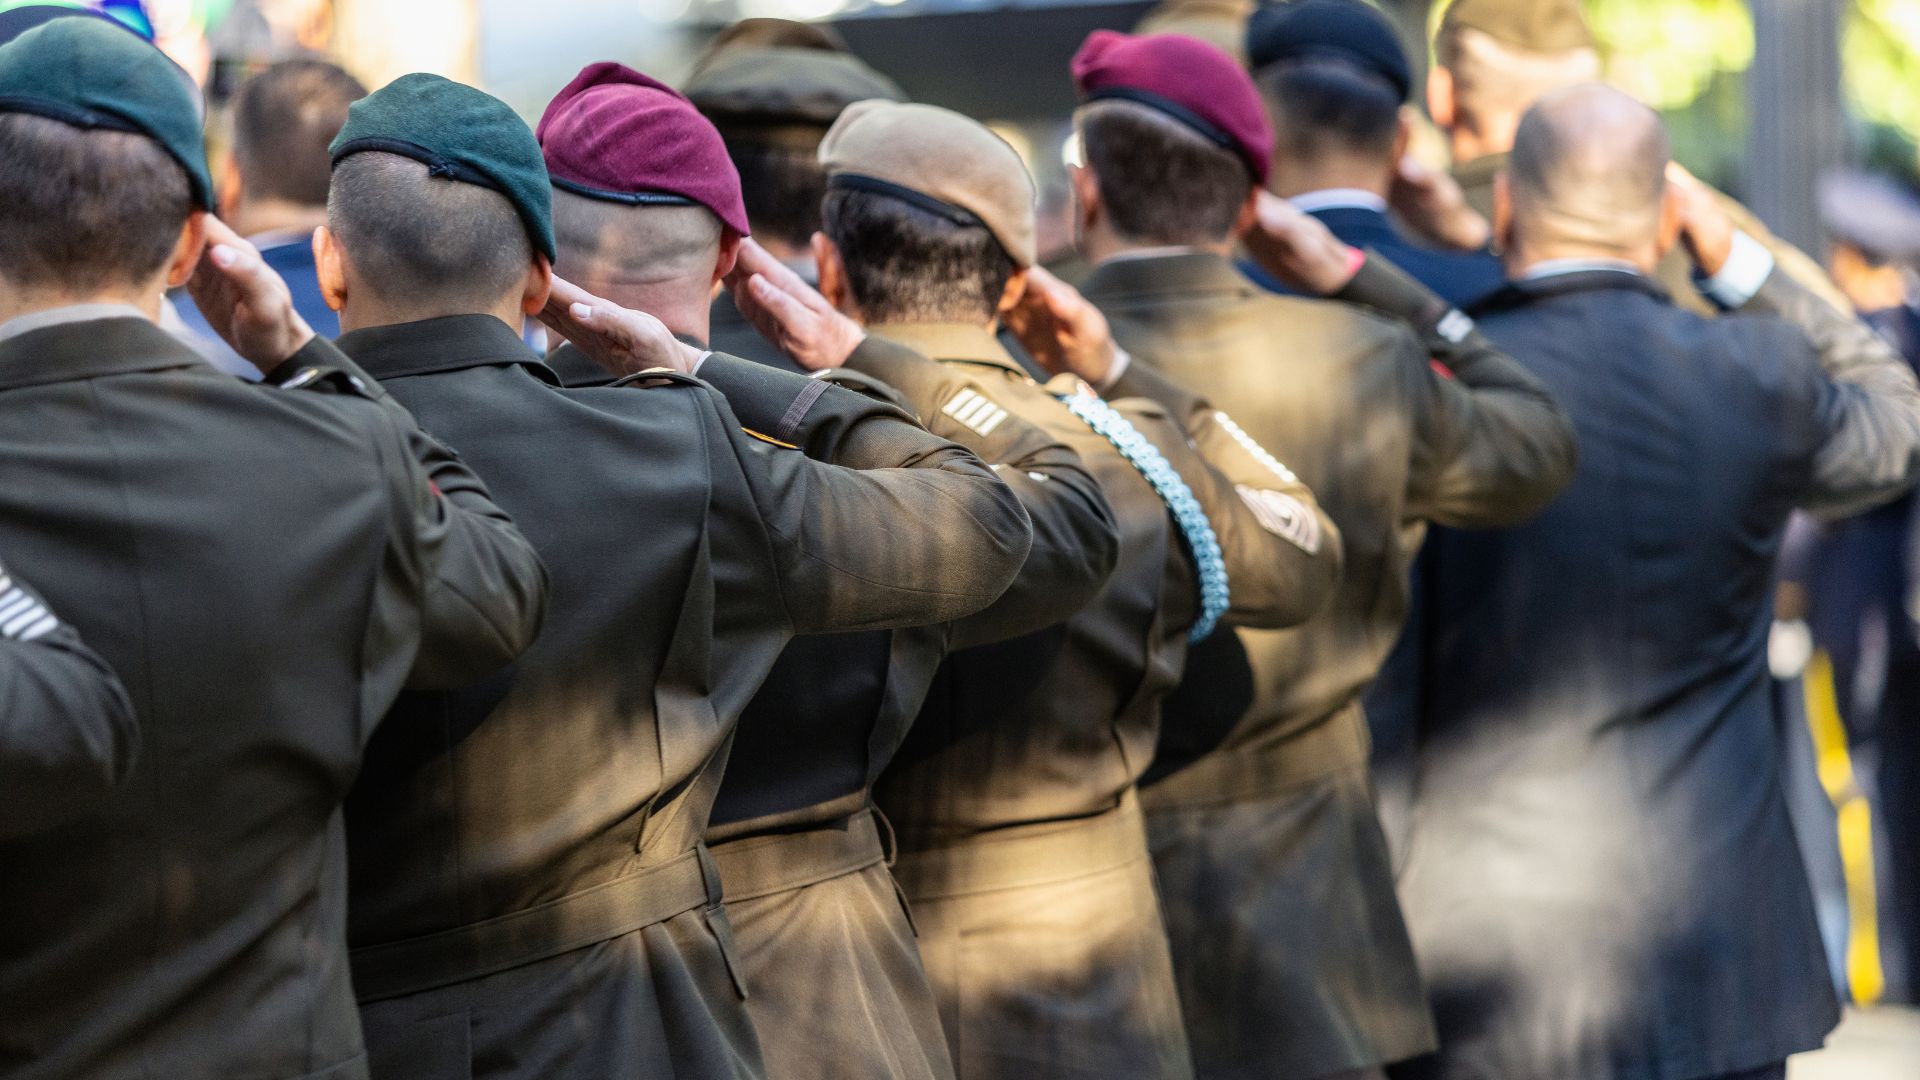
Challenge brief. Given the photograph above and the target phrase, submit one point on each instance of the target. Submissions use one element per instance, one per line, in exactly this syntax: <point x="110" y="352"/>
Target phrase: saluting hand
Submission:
<point x="1705" y="227"/>
<point x="789" y="313"/>
<point x="621" y="340"/>
<point x="245" y="301"/>
<point x="1061" y="330"/>
<point x="1431" y="203"/>
<point x="1297" y="248"/>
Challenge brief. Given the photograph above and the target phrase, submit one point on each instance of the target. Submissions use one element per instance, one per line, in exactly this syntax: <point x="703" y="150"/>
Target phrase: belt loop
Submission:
<point x="889" y="840"/>
<point x="715" y="917"/>
<point x="710" y="876"/>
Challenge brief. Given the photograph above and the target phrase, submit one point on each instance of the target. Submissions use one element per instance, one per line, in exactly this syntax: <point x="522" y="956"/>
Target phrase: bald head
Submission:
<point x="1588" y="176"/>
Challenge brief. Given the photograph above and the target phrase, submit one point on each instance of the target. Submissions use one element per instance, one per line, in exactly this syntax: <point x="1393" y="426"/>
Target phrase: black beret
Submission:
<point x="92" y="74"/>
<point x="1345" y="30"/>
<point x="459" y="133"/>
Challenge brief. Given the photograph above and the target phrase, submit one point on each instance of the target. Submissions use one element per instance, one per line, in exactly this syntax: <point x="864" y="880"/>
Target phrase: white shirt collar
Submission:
<point x="71" y="313"/>
<point x="1339" y="199"/>
<point x="1547" y="268"/>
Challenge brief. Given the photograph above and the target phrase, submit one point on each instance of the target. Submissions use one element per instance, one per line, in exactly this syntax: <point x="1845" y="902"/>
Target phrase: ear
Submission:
<point x="539" y="282"/>
<point x="729" y="255"/>
<point x="1087" y="206"/>
<point x="1010" y="296"/>
<point x="1672" y="219"/>
<point x="1503" y="211"/>
<point x="1440" y="103"/>
<point x="231" y="188"/>
<point x="331" y="263"/>
<point x="833" y="275"/>
<point x="187" y="248"/>
<point x="1402" y="133"/>
<point x="1249" y="215"/>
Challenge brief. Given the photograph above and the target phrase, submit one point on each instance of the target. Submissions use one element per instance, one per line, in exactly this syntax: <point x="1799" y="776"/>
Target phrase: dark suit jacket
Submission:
<point x="1459" y="278"/>
<point x="264" y="569"/>
<point x="1603" y="880"/>
<point x="686" y="550"/>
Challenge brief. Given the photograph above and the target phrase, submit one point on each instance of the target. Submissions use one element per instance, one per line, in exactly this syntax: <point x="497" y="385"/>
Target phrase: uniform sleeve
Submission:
<point x="482" y="589"/>
<point x="1491" y="446"/>
<point x="1282" y="551"/>
<point x="873" y="521"/>
<point x="1076" y="543"/>
<point x="1871" y="415"/>
<point x="67" y="732"/>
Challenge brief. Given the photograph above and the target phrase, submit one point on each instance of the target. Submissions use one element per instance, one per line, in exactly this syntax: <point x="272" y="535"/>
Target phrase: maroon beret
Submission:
<point x="1185" y="78"/>
<point x="618" y="135"/>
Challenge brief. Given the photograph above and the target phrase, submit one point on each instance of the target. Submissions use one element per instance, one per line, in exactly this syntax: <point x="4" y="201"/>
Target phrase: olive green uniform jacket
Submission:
<point x="265" y="569"/>
<point x="531" y="895"/>
<point x="1021" y="846"/>
<point x="1292" y="955"/>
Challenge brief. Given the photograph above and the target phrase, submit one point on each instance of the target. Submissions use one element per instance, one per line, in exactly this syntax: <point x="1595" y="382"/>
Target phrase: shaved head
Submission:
<point x="1589" y="170"/>
<point x="614" y="243"/>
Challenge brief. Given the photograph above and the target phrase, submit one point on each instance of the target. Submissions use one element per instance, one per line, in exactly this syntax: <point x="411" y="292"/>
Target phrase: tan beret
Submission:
<point x="1541" y="26"/>
<point x="938" y="160"/>
<point x="1220" y="23"/>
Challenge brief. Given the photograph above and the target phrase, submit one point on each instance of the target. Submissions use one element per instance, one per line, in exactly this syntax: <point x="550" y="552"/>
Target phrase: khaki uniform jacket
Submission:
<point x="566" y="804"/>
<point x="1349" y="401"/>
<point x="67" y="731"/>
<point x="1058" y="724"/>
<point x="265" y="569"/>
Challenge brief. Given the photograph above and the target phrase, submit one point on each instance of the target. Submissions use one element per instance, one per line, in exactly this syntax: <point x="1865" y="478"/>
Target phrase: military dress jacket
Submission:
<point x="265" y="569"/>
<point x="1348" y="399"/>
<point x="530" y="893"/>
<point x="67" y="730"/>
<point x="1057" y="725"/>
<point x="1603" y="879"/>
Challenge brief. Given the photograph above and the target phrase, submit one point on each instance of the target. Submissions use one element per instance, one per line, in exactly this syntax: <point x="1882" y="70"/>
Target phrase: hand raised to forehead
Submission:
<point x="1062" y="331"/>
<point x="245" y="301"/>
<point x="1297" y="248"/>
<point x="789" y="313"/>
<point x="623" y="341"/>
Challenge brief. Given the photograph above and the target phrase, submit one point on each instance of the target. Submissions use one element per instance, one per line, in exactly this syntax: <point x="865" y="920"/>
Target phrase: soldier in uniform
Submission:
<point x="773" y="96"/>
<point x="1292" y="956"/>
<point x="822" y="939"/>
<point x="1335" y="81"/>
<point x="1604" y="881"/>
<point x="67" y="731"/>
<point x="264" y="567"/>
<point x="1493" y="60"/>
<point x="531" y="897"/>
<point x="1022" y="851"/>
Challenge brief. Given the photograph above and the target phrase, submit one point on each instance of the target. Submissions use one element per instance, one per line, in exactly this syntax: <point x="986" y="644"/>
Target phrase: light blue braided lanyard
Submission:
<point x="1186" y="510"/>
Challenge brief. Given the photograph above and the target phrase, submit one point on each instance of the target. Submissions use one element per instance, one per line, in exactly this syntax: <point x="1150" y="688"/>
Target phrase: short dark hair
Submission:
<point x="905" y="264"/>
<point x="435" y="242"/>
<point x="1322" y="106"/>
<point x="283" y="119"/>
<point x="1161" y="181"/>
<point x="782" y="186"/>
<point x="79" y="208"/>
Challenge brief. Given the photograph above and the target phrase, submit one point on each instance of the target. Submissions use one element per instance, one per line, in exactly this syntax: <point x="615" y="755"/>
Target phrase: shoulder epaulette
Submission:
<point x="653" y="378"/>
<point x="326" y="380"/>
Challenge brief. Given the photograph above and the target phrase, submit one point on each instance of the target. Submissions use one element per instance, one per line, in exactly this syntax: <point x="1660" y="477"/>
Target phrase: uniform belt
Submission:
<point x="763" y="865"/>
<point x="683" y="883"/>
<point x="1026" y="855"/>
<point x="1336" y="744"/>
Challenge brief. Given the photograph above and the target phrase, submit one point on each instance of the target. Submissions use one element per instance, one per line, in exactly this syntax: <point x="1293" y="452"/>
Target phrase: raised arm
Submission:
<point x="67" y="732"/>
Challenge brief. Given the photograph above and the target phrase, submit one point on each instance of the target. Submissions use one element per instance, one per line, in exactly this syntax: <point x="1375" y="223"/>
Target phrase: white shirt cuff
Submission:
<point x="1121" y="361"/>
<point x="701" y="359"/>
<point x="1748" y="266"/>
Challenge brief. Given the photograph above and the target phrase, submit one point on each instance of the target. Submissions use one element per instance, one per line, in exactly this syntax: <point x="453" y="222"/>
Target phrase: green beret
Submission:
<point x="746" y="85"/>
<point x="1541" y="26"/>
<point x="461" y="134"/>
<point x="91" y="75"/>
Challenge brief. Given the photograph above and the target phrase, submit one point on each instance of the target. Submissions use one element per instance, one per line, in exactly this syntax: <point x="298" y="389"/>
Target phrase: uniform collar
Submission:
<point x="1181" y="272"/>
<point x="1529" y="290"/>
<point x="950" y="341"/>
<point x="72" y="349"/>
<point x="1313" y="202"/>
<point x="448" y="343"/>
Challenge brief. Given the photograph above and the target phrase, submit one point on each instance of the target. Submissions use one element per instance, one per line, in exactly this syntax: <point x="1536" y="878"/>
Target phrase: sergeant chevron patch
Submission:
<point x="22" y="618"/>
<point x="975" y="411"/>
<point x="1283" y="516"/>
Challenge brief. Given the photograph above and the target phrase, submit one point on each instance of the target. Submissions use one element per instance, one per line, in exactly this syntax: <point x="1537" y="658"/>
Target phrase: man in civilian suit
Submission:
<point x="273" y="186"/>
<point x="1603" y="880"/>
